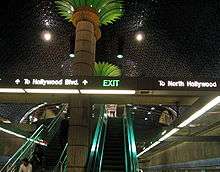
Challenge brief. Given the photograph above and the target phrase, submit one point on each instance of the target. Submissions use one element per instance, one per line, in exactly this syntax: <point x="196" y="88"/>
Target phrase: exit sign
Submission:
<point x="110" y="83"/>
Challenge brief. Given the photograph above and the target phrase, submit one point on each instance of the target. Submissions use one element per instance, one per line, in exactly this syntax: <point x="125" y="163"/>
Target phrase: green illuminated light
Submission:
<point x="110" y="83"/>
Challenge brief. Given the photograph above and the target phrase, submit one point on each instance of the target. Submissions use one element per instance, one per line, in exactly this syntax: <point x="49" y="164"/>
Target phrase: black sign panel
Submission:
<point x="73" y="82"/>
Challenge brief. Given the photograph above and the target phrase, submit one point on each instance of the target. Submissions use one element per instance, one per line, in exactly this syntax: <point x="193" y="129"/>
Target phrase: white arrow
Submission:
<point x="17" y="81"/>
<point x="85" y="82"/>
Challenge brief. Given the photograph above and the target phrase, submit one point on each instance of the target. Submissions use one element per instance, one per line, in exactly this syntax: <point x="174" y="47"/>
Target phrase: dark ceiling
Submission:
<point x="182" y="38"/>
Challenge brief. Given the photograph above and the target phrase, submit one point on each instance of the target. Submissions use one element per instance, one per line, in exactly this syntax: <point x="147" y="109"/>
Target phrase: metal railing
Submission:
<point x="62" y="163"/>
<point x="96" y="153"/>
<point x="54" y="125"/>
<point x="27" y="149"/>
<point x="131" y="160"/>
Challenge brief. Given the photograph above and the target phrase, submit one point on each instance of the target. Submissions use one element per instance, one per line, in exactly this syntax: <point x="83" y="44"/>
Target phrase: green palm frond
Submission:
<point x="106" y="69"/>
<point x="107" y="10"/>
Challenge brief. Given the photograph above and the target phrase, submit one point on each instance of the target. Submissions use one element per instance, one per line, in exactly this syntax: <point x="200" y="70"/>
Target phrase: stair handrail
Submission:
<point x="62" y="160"/>
<point x="28" y="146"/>
<point x="55" y="123"/>
<point x="131" y="160"/>
<point x="41" y="132"/>
<point x="97" y="147"/>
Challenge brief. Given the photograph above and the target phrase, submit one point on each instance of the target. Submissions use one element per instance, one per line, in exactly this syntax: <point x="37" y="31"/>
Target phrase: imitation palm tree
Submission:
<point x="87" y="16"/>
<point x="106" y="69"/>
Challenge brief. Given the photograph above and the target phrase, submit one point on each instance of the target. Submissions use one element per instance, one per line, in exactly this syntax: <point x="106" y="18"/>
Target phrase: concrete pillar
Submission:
<point x="78" y="139"/>
<point x="85" y="45"/>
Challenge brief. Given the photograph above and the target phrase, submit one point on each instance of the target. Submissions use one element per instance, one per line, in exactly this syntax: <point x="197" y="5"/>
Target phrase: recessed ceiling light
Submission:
<point x="148" y="113"/>
<point x="145" y="119"/>
<point x="153" y="108"/>
<point x="72" y="55"/>
<point x="120" y="56"/>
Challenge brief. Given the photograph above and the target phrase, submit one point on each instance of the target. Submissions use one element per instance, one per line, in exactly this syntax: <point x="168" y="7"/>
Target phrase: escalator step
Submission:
<point x="111" y="167"/>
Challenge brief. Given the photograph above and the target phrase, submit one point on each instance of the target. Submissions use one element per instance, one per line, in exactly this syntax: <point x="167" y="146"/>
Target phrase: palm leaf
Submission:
<point x="108" y="10"/>
<point x="106" y="69"/>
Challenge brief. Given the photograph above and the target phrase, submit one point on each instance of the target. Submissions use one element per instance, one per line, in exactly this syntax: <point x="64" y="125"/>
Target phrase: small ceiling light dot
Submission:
<point x="120" y="56"/>
<point x="47" y="23"/>
<point x="145" y="119"/>
<point x="153" y="108"/>
<point x="72" y="55"/>
<point x="135" y="107"/>
<point x="148" y="113"/>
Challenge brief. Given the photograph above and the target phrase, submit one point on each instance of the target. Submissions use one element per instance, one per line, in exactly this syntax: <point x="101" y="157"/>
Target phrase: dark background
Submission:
<point x="182" y="39"/>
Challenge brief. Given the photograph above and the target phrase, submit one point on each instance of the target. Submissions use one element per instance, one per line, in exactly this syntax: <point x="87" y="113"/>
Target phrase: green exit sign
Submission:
<point x="110" y="83"/>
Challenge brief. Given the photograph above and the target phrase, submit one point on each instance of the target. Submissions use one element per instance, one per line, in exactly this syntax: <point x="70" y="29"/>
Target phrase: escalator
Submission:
<point x="113" y="148"/>
<point x="113" y="155"/>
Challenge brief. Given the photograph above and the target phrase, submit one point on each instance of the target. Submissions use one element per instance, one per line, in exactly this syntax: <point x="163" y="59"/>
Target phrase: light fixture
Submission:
<point x="139" y="36"/>
<point x="149" y="113"/>
<point x="120" y="56"/>
<point x="88" y="91"/>
<point x="170" y="133"/>
<point x="145" y="119"/>
<point x="46" y="22"/>
<point x="12" y="133"/>
<point x="72" y="55"/>
<point x="164" y="132"/>
<point x="11" y="90"/>
<point x="174" y="130"/>
<point x="47" y="36"/>
<point x="134" y="107"/>
<point x="148" y="148"/>
<point x="54" y="91"/>
<point x="153" y="108"/>
<point x="197" y="114"/>
<point x="200" y="112"/>
<point x="6" y="121"/>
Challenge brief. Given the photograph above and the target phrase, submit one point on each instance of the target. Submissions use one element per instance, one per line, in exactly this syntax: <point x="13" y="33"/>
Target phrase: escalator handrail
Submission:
<point x="30" y="141"/>
<point x="95" y="147"/>
<point x="103" y="143"/>
<point x="131" y="161"/>
<point x="125" y="144"/>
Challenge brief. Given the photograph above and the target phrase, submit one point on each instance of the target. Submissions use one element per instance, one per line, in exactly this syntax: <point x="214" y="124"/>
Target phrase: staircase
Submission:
<point x="113" y="155"/>
<point x="52" y="153"/>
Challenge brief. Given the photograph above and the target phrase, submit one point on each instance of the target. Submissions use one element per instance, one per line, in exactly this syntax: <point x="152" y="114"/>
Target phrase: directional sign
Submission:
<point x="17" y="81"/>
<point x="85" y="82"/>
<point x="77" y="82"/>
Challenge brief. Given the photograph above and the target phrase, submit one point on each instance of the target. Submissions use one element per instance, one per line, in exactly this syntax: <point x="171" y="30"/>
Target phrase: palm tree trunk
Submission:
<point x="85" y="45"/>
<point x="87" y="32"/>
